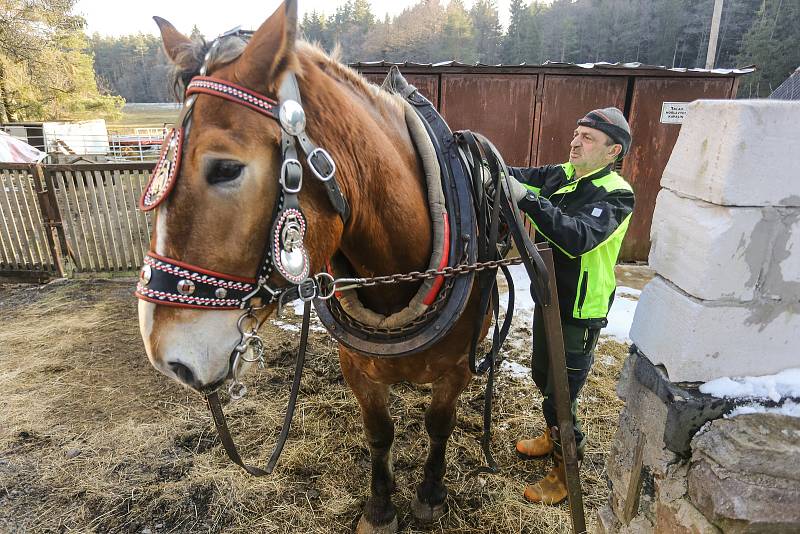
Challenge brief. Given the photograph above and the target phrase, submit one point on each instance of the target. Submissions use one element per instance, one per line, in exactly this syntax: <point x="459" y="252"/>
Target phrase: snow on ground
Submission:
<point x="774" y="387"/>
<point x="619" y="319"/>
<point x="792" y="409"/>
<point x="516" y="370"/>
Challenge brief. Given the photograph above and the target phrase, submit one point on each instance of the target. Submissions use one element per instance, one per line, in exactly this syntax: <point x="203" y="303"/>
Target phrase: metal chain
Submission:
<point x="342" y="284"/>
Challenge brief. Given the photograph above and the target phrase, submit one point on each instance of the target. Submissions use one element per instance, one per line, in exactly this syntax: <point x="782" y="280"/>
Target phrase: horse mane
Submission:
<point x="191" y="56"/>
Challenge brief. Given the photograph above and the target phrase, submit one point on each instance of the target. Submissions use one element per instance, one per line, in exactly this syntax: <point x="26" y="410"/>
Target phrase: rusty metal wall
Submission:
<point x="565" y="99"/>
<point x="501" y="107"/>
<point x="428" y="84"/>
<point x="652" y="146"/>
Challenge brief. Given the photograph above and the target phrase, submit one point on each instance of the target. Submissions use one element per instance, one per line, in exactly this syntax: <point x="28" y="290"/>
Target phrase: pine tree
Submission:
<point x="486" y="25"/>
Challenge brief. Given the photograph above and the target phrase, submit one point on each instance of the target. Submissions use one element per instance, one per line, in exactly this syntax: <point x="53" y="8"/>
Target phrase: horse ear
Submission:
<point x="175" y="43"/>
<point x="270" y="51"/>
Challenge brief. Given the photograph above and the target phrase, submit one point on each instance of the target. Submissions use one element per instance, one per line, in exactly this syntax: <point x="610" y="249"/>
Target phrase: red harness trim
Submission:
<point x="437" y="284"/>
<point x="226" y="279"/>
<point x="232" y="92"/>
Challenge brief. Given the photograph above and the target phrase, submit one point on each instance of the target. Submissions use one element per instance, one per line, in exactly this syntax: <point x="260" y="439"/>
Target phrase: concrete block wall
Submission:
<point x="726" y="245"/>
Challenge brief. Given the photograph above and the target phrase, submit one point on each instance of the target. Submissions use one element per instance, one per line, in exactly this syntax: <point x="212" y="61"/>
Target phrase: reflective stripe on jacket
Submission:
<point x="585" y="221"/>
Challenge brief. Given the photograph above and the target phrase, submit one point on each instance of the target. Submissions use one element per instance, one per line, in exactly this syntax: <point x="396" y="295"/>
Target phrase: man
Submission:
<point x="582" y="208"/>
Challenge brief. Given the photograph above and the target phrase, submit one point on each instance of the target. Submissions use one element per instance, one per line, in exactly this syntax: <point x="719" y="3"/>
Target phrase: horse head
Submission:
<point x="217" y="198"/>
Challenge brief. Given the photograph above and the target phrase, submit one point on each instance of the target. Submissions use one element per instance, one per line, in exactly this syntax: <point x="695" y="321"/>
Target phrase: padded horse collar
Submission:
<point x="170" y="282"/>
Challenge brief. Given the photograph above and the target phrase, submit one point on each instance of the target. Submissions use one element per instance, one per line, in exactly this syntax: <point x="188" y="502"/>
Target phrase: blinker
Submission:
<point x="292" y="117"/>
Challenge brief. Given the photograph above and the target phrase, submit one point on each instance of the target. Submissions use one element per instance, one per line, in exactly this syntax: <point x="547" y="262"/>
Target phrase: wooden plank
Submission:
<point x="16" y="220"/>
<point x="98" y="222"/>
<point x="57" y="186"/>
<point x="635" y="482"/>
<point x="9" y="233"/>
<point x="89" y="167"/>
<point x="124" y="224"/>
<point x="71" y="180"/>
<point x="61" y="251"/>
<point x="133" y="216"/>
<point x="87" y="219"/>
<point x="105" y="216"/>
<point x="34" y="220"/>
<point x="44" y="235"/>
<point x="141" y="181"/>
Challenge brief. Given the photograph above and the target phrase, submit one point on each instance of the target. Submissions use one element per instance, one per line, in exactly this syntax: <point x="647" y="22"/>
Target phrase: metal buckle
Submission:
<point x="284" y="172"/>
<point x="307" y="290"/>
<point x="328" y="159"/>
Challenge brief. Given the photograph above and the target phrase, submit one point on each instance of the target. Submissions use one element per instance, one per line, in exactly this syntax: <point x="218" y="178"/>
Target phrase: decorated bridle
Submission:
<point x="167" y="281"/>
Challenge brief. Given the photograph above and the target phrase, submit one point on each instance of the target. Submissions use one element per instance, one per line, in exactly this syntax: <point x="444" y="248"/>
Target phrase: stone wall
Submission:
<point x="725" y="302"/>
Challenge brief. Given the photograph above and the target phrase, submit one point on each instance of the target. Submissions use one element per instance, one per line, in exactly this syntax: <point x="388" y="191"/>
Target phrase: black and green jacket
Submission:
<point x="584" y="220"/>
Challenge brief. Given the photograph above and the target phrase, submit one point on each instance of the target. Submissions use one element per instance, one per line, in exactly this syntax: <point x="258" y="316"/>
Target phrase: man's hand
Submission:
<point x="516" y="189"/>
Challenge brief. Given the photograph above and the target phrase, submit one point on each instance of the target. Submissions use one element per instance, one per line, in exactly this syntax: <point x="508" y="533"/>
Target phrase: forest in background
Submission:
<point x="673" y="33"/>
<point x="49" y="67"/>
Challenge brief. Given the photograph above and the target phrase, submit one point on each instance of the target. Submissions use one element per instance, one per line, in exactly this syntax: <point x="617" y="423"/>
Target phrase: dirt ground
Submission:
<point x="93" y="439"/>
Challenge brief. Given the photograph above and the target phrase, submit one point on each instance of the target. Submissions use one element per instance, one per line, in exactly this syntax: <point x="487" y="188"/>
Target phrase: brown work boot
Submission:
<point x="539" y="447"/>
<point x="552" y="489"/>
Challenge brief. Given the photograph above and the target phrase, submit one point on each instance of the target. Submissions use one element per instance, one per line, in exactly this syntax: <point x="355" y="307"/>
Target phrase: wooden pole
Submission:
<point x="558" y="375"/>
<point x="48" y="205"/>
<point x="712" y="38"/>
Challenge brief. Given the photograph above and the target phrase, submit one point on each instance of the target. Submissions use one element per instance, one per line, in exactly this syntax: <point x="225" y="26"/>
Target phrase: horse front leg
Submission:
<point x="440" y="419"/>
<point x="379" y="515"/>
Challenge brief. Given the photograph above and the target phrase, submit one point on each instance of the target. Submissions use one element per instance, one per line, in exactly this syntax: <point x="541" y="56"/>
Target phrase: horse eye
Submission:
<point x="223" y="170"/>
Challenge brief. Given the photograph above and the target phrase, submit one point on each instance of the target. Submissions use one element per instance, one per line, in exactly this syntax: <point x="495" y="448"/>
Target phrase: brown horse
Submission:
<point x="219" y="215"/>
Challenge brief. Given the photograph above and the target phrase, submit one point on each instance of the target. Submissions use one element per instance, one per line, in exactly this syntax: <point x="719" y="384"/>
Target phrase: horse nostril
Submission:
<point x="184" y="374"/>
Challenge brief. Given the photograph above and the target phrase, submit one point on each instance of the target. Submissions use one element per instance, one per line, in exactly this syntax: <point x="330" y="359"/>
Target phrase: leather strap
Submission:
<point x="219" y="416"/>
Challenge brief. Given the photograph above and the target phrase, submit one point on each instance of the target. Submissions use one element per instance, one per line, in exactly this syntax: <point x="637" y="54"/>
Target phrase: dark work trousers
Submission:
<point x="579" y="344"/>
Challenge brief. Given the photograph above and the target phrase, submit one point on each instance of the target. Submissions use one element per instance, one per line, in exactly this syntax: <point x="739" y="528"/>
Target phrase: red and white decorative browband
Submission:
<point x="234" y="93"/>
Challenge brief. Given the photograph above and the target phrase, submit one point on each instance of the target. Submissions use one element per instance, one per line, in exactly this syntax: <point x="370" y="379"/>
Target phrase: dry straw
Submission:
<point x="93" y="439"/>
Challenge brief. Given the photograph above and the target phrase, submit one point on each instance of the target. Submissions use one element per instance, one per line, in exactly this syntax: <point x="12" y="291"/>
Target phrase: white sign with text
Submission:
<point x="673" y="112"/>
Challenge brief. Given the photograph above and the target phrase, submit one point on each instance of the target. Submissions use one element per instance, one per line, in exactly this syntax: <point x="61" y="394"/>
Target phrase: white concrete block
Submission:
<point x="711" y="252"/>
<point x="738" y="153"/>
<point x="782" y="280"/>
<point x="702" y="340"/>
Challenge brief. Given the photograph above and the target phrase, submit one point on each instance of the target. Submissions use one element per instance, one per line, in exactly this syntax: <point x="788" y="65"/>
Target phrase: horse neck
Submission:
<point x="389" y="230"/>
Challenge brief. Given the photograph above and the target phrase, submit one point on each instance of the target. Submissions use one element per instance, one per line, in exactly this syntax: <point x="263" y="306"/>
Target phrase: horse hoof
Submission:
<point x="365" y="527"/>
<point x="426" y="512"/>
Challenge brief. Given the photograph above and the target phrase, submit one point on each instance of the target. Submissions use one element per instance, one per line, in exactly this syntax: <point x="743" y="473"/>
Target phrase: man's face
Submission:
<point x="591" y="149"/>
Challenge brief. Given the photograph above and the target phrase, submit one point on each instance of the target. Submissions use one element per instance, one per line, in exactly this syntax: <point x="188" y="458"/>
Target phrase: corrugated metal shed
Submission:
<point x="789" y="89"/>
<point x="529" y="112"/>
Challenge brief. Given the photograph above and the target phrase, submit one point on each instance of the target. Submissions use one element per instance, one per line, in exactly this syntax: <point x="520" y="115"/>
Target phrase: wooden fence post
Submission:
<point x="51" y="216"/>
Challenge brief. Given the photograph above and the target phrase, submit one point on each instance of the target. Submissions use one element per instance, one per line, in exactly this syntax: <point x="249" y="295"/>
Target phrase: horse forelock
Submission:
<point x="190" y="59"/>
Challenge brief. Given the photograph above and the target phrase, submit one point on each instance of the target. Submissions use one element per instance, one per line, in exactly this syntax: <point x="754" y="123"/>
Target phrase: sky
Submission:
<point x="108" y="17"/>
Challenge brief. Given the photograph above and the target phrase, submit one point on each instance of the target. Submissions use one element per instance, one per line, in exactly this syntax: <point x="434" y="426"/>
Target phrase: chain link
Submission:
<point x="341" y="284"/>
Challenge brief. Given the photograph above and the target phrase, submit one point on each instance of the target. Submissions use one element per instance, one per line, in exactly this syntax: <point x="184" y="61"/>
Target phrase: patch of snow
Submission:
<point x="608" y="360"/>
<point x="523" y="302"/>
<point x="625" y="291"/>
<point x="516" y="370"/>
<point x="792" y="409"/>
<point x="286" y="326"/>
<point x="620" y="319"/>
<point x="774" y="387"/>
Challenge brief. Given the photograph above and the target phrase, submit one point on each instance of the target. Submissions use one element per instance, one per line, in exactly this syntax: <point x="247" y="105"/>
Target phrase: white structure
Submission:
<point x="726" y="245"/>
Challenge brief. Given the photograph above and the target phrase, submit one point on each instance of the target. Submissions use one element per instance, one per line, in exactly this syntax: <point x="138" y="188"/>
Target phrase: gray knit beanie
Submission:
<point x="611" y="122"/>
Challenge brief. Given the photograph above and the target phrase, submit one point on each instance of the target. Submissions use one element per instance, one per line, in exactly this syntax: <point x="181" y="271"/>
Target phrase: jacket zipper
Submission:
<point x="582" y="296"/>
